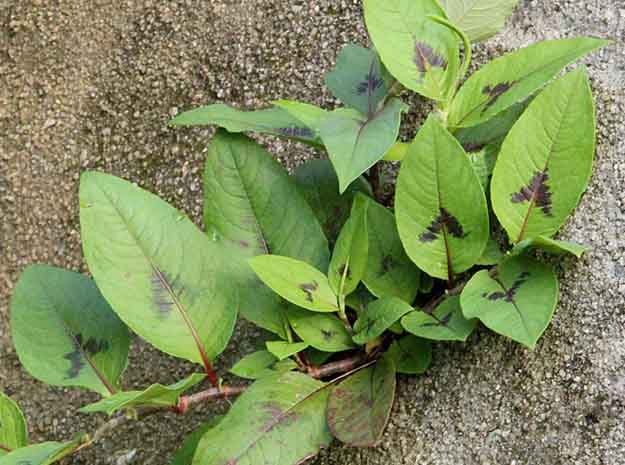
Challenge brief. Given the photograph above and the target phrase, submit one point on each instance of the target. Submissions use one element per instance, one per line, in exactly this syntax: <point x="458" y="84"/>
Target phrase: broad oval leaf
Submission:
<point x="44" y="453"/>
<point x="412" y="355"/>
<point x="359" y="407"/>
<point x="445" y="323"/>
<point x="261" y="364"/>
<point x="378" y="317"/>
<point x="440" y="206"/>
<point x="514" y="77"/>
<point x="157" y="269"/>
<point x="156" y="395"/>
<point x="65" y="333"/>
<point x="420" y="53"/>
<point x="538" y="180"/>
<point x="323" y="331"/>
<point x="517" y="299"/>
<point x="479" y="19"/>
<point x="355" y="143"/>
<point x="279" y="420"/>
<point x="13" y="428"/>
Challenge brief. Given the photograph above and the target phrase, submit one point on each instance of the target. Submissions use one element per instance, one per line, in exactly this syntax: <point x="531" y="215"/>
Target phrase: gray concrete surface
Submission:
<point x="90" y="84"/>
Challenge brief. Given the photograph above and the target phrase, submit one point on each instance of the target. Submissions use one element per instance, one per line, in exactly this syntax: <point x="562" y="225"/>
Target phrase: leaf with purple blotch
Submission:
<point x="444" y="323"/>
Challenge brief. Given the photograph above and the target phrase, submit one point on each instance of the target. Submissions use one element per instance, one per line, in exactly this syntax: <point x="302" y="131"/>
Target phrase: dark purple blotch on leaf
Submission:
<point x="495" y="92"/>
<point x="387" y="264"/>
<point x="426" y="57"/>
<point x="294" y="131"/>
<point x="327" y="335"/>
<point x="444" y="321"/>
<point x="508" y="295"/>
<point x="471" y="147"/>
<point x="165" y="291"/>
<point x="308" y="289"/>
<point x="537" y="191"/>
<point x="342" y="271"/>
<point x="89" y="347"/>
<point x="446" y="219"/>
<point x="370" y="84"/>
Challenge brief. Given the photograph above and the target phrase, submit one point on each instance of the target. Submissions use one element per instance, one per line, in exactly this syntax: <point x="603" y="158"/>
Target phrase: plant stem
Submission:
<point x="436" y="301"/>
<point x="338" y="367"/>
<point x="208" y="395"/>
<point x="5" y="448"/>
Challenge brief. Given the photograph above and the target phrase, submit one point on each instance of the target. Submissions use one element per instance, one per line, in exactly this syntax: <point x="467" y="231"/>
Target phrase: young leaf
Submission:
<point x="156" y="395"/>
<point x="492" y="253"/>
<point x="420" y="53"/>
<point x="517" y="300"/>
<point x="514" y="77"/>
<point x="445" y="323"/>
<point x="359" y="80"/>
<point x="479" y="19"/>
<point x="323" y="331"/>
<point x="157" y="269"/>
<point x="318" y="183"/>
<point x="261" y="364"/>
<point x="44" y="453"/>
<point x="378" y="317"/>
<point x="444" y="227"/>
<point x="65" y="333"/>
<point x="390" y="273"/>
<point x="355" y="143"/>
<point x="13" y="429"/>
<point x="552" y="246"/>
<point x="184" y="455"/>
<point x="359" y="407"/>
<point x="251" y="204"/>
<point x="539" y="180"/>
<point x="279" y="420"/>
<point x="349" y="259"/>
<point x="296" y="281"/>
<point x="412" y="355"/>
<point x="283" y="349"/>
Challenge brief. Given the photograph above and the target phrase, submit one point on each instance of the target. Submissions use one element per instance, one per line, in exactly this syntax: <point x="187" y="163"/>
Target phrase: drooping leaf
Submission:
<point x="390" y="273"/>
<point x="492" y="253"/>
<point x="420" y="53"/>
<point x="514" y="77"/>
<point x="252" y="204"/>
<point x="359" y="407"/>
<point x="412" y="355"/>
<point x="445" y="323"/>
<point x="378" y="317"/>
<point x="552" y="246"/>
<point x="517" y="300"/>
<point x="279" y="420"/>
<point x="296" y="281"/>
<point x="356" y="142"/>
<point x="397" y="152"/>
<point x="13" y="428"/>
<point x="65" y="333"/>
<point x="156" y="395"/>
<point x="184" y="455"/>
<point x="323" y="331"/>
<point x="157" y="269"/>
<point x="479" y="19"/>
<point x="283" y="349"/>
<point x="261" y="364"/>
<point x="319" y="185"/>
<point x="539" y="180"/>
<point x="359" y="80"/>
<point x="444" y="228"/>
<point x="44" y="453"/>
<point x="349" y="258"/>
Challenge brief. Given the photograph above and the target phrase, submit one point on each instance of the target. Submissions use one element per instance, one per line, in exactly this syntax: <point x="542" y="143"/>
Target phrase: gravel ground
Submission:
<point x="91" y="84"/>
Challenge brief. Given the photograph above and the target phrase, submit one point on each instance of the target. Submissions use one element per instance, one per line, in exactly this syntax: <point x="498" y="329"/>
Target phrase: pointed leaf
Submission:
<point x="261" y="364"/>
<point x="44" y="453"/>
<point x="445" y="323"/>
<point x="65" y="333"/>
<point x="390" y="273"/>
<point x="157" y="269"/>
<point x="551" y="246"/>
<point x="283" y="349"/>
<point x="323" y="331"/>
<point x="13" y="428"/>
<point x="412" y="355"/>
<point x="479" y="19"/>
<point x="184" y="455"/>
<point x="378" y="317"/>
<point x="517" y="300"/>
<point x="355" y="142"/>
<point x="444" y="228"/>
<point x="278" y="421"/>
<point x="360" y="406"/>
<point x="514" y="77"/>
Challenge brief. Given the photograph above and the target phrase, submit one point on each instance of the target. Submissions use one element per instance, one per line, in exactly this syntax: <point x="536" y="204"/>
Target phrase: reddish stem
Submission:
<point x="210" y="373"/>
<point x="216" y="393"/>
<point x="5" y="448"/>
<point x="338" y="367"/>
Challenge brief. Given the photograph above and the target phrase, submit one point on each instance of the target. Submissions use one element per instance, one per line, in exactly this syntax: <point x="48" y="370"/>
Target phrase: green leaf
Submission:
<point x="440" y="206"/>
<point x="397" y="152"/>
<point x="276" y="121"/>
<point x="483" y="163"/>
<point x="378" y="317"/>
<point x="65" y="333"/>
<point x="412" y="355"/>
<point x="296" y="281"/>
<point x="359" y="80"/>
<point x="157" y="269"/>
<point x="317" y="357"/>
<point x="514" y="77"/>
<point x="261" y="364"/>
<point x="552" y="246"/>
<point x="156" y="395"/>
<point x="184" y="455"/>
<point x="479" y="19"/>
<point x="251" y="204"/>
<point x="13" y="428"/>
<point x="390" y="273"/>
<point x="517" y="300"/>
<point x="44" y="453"/>
<point x="538" y="180"/>
<point x="420" y="53"/>
<point x="318" y="183"/>
<point x="323" y="331"/>
<point x="355" y="142"/>
<point x="349" y="258"/>
<point x="445" y="323"/>
<point x="492" y="253"/>
<point x="359" y="407"/>
<point x="283" y="349"/>
<point x="310" y="115"/>
<point x="278" y="421"/>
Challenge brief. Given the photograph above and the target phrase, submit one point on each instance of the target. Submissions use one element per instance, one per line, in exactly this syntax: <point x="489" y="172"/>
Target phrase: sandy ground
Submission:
<point x="90" y="84"/>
